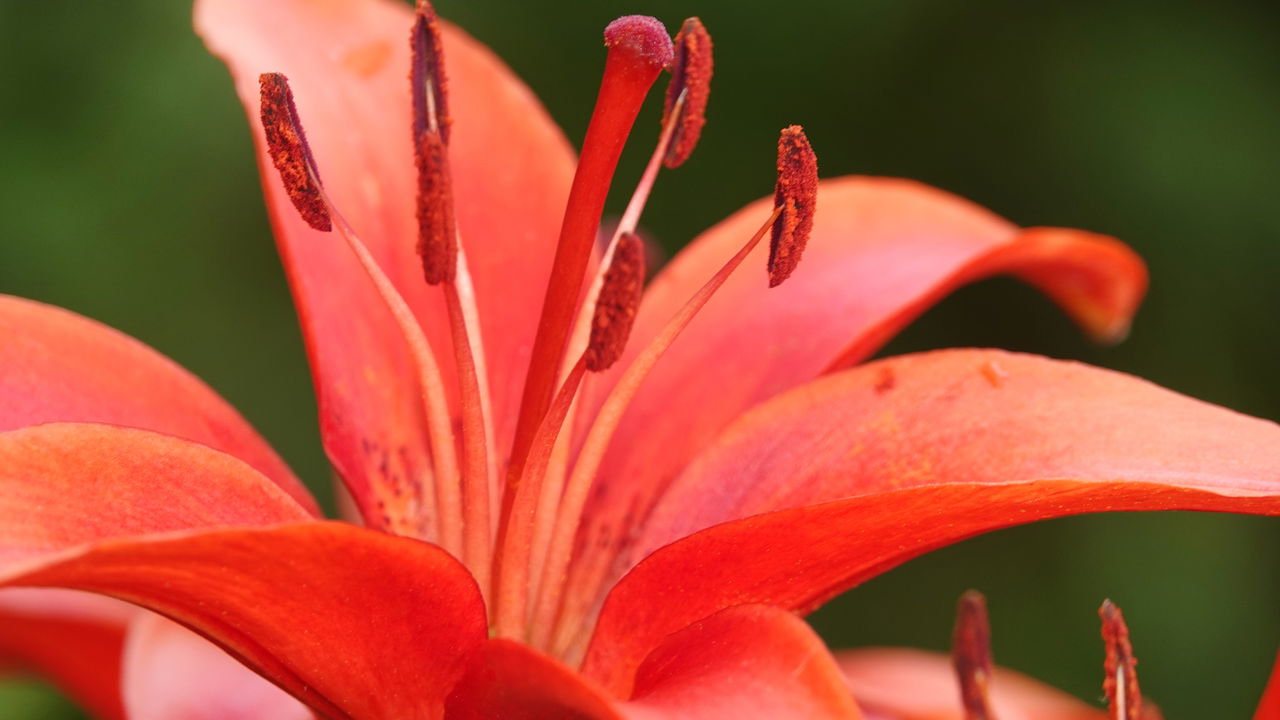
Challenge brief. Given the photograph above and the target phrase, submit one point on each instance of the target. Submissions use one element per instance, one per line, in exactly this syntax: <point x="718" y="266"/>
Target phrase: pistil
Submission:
<point x="639" y="48"/>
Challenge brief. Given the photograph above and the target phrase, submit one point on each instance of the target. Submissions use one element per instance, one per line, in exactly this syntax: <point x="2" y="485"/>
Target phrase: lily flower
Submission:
<point x="570" y="495"/>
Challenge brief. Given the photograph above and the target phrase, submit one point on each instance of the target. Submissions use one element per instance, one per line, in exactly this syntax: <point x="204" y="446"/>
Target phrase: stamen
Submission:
<point x="516" y="534"/>
<point x="426" y="75"/>
<point x="1121" y="684"/>
<point x="796" y="194"/>
<point x="691" y="77"/>
<point x="971" y="655"/>
<point x="287" y="145"/>
<point x="639" y="48"/>
<point x="437" y="233"/>
<point x="438" y="247"/>
<point x="278" y="111"/>
<point x="627" y="224"/>
<point x="477" y="515"/>
<point x="551" y="588"/>
<point x="616" y="306"/>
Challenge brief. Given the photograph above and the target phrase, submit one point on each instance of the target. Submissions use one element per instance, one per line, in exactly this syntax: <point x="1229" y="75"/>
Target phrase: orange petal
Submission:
<point x="348" y="64"/>
<point x="882" y="251"/>
<point x="744" y="662"/>
<point x="925" y="450"/>
<point x="901" y="684"/>
<point x="170" y="672"/>
<point x="56" y="366"/>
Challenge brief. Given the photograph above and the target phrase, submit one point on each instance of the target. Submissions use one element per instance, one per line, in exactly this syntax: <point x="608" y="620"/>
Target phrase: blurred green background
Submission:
<point x="128" y="193"/>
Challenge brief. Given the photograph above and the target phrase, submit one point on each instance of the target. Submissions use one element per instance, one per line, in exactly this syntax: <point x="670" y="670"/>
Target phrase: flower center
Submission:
<point x="504" y="531"/>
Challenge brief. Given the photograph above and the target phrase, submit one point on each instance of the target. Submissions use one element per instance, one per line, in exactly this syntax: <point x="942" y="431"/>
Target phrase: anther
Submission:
<point x="426" y="75"/>
<point x="437" y="234"/>
<point x="796" y="195"/>
<point x="1121" y="683"/>
<point x="691" y="75"/>
<point x="971" y="655"/>
<point x="287" y="145"/>
<point x="617" y="303"/>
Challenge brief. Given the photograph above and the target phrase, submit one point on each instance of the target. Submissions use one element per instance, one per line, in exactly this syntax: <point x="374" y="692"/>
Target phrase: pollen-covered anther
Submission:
<point x="971" y="655"/>
<point x="691" y="75"/>
<point x="796" y="196"/>
<point x="643" y="37"/>
<point x="426" y="74"/>
<point x="287" y="145"/>
<point x="617" y="304"/>
<point x="437" y="234"/>
<point x="1121" y="683"/>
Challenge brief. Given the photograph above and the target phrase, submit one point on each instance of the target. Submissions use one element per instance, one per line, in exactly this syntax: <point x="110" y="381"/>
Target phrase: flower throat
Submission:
<point x="511" y="516"/>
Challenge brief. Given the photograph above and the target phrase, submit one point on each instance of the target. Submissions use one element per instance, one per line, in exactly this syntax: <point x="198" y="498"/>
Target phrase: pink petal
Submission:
<point x="63" y="485"/>
<point x="853" y="474"/>
<point x="170" y="672"/>
<point x="901" y="684"/>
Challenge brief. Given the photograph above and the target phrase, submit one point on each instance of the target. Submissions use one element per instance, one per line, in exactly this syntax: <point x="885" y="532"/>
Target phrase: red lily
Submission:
<point x="754" y="473"/>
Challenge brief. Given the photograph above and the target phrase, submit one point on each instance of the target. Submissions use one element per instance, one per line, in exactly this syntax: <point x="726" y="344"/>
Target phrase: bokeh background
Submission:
<point x="128" y="193"/>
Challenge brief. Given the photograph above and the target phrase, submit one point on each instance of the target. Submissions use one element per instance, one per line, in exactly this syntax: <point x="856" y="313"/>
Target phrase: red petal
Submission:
<point x="743" y="662"/>
<point x="74" y="641"/>
<point x="899" y="684"/>
<point x="56" y="366"/>
<point x="512" y="681"/>
<point x="882" y="251"/>
<point x="933" y="448"/>
<point x="352" y="621"/>
<point x="170" y="672"/>
<point x="348" y="64"/>
<point x="355" y="623"/>
<point x="1269" y="707"/>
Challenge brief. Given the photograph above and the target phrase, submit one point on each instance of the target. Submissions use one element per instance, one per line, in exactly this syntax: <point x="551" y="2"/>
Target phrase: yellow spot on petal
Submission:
<point x="367" y="60"/>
